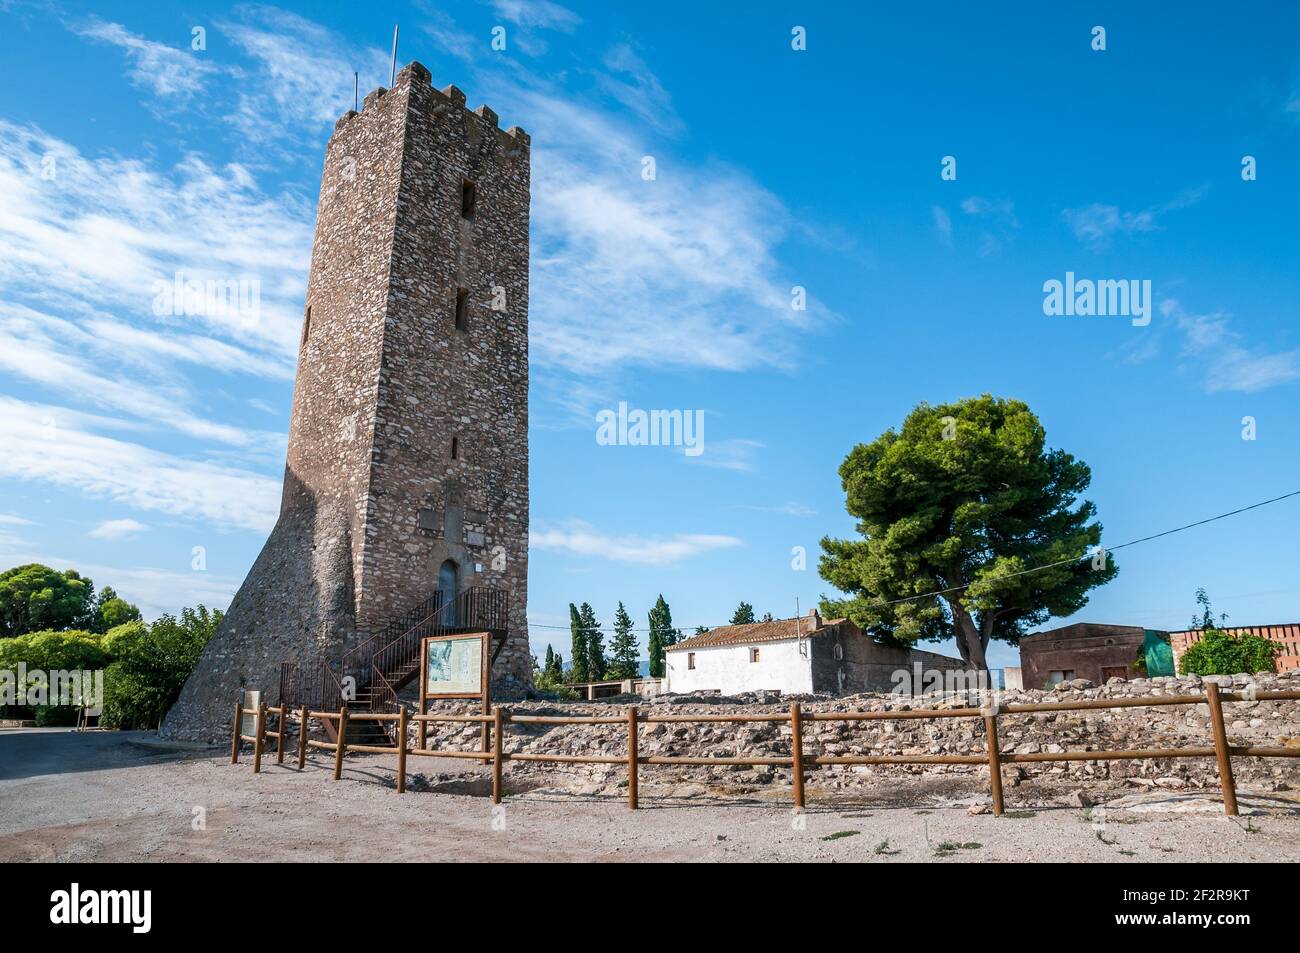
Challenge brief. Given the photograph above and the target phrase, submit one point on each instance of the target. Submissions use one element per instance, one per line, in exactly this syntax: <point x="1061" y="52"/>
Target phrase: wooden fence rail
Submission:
<point x="797" y="760"/>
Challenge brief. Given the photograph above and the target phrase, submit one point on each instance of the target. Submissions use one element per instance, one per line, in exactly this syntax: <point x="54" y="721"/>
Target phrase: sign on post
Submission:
<point x="248" y="723"/>
<point x="456" y="666"/>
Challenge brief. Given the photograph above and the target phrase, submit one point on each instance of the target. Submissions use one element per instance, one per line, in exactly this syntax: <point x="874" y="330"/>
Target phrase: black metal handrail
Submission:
<point x="385" y="662"/>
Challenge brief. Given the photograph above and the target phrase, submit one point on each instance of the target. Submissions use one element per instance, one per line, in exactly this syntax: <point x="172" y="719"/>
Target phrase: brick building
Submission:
<point x="1083" y="650"/>
<point x="1286" y="657"/>
<point x="407" y="467"/>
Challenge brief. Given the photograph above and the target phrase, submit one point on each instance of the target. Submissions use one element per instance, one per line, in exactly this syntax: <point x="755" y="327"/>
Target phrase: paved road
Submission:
<point x="118" y="796"/>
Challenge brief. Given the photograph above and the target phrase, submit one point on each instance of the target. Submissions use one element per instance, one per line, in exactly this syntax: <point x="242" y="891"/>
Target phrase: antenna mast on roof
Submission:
<point x="392" y="76"/>
<point x="356" y="92"/>
<point x="798" y="622"/>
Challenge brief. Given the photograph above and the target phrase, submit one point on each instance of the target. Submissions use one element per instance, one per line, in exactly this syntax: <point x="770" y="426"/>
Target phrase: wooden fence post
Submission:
<point x="302" y="739"/>
<point x="1221" y="749"/>
<point x="498" y="730"/>
<point x="259" y="733"/>
<point x="342" y="742"/>
<point x="633" y="739"/>
<point x="995" y="760"/>
<point x="279" y="742"/>
<point x="401" y="751"/>
<point x="424" y="668"/>
<point x="234" y="733"/>
<point x="796" y="749"/>
<point x="483" y="731"/>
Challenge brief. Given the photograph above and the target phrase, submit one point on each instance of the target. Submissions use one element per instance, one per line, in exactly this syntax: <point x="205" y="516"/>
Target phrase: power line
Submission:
<point x="1022" y="572"/>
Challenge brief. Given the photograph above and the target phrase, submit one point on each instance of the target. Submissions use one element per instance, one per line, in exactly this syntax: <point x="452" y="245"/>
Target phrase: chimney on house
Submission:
<point x="814" y="619"/>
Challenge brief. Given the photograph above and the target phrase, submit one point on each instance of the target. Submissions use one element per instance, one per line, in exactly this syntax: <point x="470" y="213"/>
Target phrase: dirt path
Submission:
<point x="121" y="796"/>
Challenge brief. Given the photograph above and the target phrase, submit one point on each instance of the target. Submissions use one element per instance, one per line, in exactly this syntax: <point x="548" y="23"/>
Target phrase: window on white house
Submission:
<point x="753" y="655"/>
<point x="690" y="660"/>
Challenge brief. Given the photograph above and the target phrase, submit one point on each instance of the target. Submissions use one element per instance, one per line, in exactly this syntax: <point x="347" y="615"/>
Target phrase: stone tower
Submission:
<point x="407" y="467"/>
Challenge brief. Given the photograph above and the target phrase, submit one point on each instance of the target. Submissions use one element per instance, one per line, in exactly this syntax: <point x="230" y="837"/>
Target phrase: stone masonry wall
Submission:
<point x="438" y="383"/>
<point x="1262" y="723"/>
<point x="384" y="382"/>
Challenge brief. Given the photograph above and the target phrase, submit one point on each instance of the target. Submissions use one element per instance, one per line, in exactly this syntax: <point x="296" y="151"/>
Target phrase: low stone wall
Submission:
<point x="1260" y="723"/>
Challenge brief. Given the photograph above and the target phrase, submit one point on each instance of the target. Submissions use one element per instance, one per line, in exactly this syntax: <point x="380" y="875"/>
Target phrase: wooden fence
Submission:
<point x="798" y="761"/>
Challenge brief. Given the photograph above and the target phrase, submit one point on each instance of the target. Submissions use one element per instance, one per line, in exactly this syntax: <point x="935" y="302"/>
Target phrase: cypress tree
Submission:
<point x="662" y="635"/>
<point x="578" y="672"/>
<point x="624" y="659"/>
<point x="595" y="643"/>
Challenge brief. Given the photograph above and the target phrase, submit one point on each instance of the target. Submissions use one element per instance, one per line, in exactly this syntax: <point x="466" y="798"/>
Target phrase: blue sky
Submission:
<point x="129" y="438"/>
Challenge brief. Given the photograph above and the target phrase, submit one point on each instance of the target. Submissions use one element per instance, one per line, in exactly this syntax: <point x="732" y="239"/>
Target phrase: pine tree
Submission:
<point x="595" y="643"/>
<point x="578" y="672"/>
<point x="557" y="671"/>
<point x="743" y="615"/>
<point x="550" y="661"/>
<point x="662" y="635"/>
<point x="624" y="661"/>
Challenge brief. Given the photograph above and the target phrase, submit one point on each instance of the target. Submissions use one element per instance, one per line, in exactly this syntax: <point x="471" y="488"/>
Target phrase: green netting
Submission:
<point x="1159" y="653"/>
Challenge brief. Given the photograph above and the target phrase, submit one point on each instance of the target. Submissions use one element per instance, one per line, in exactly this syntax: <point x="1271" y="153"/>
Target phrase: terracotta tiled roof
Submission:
<point x="778" y="630"/>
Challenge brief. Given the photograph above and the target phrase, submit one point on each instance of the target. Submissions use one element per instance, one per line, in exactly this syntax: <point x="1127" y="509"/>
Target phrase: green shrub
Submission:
<point x="1218" y="653"/>
<point x="548" y="683"/>
<point x="49" y="652"/>
<point x="54" y="651"/>
<point x="55" y="716"/>
<point x="151" y="666"/>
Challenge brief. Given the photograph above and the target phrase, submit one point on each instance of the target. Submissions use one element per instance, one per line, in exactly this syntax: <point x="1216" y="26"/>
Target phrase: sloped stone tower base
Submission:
<point x="296" y="605"/>
<point x="407" y="469"/>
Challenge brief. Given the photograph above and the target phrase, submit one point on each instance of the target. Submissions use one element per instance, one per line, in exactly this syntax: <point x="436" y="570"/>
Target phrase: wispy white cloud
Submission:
<point x="680" y="271"/>
<point x="118" y="529"/>
<point x="442" y="29"/>
<point x="630" y="81"/>
<point x="786" y="509"/>
<point x="106" y="231"/>
<point x="46" y="350"/>
<point x="578" y="538"/>
<point x="543" y="14"/>
<point x="301" y="77"/>
<point x="166" y="71"/>
<point x="997" y="219"/>
<point x="737" y="454"/>
<point x="1096" y="225"/>
<point x="942" y="224"/>
<point x="1226" y="362"/>
<point x="55" y="445"/>
<point x="155" y="590"/>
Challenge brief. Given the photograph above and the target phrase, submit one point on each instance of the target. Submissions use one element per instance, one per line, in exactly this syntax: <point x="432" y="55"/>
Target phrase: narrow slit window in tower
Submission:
<point x="462" y="309"/>
<point x="467" y="197"/>
<point x="455" y="448"/>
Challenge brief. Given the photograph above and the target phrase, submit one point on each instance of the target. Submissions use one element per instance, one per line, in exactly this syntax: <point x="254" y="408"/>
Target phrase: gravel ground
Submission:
<point x="127" y="797"/>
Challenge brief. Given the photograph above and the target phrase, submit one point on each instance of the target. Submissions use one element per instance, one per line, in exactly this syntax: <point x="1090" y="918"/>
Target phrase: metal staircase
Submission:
<point x="381" y="666"/>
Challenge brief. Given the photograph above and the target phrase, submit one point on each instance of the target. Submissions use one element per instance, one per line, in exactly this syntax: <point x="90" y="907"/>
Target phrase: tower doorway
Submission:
<point x="449" y="587"/>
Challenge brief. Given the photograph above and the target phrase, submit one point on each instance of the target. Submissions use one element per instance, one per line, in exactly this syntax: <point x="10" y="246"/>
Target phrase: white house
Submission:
<point x="807" y="655"/>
